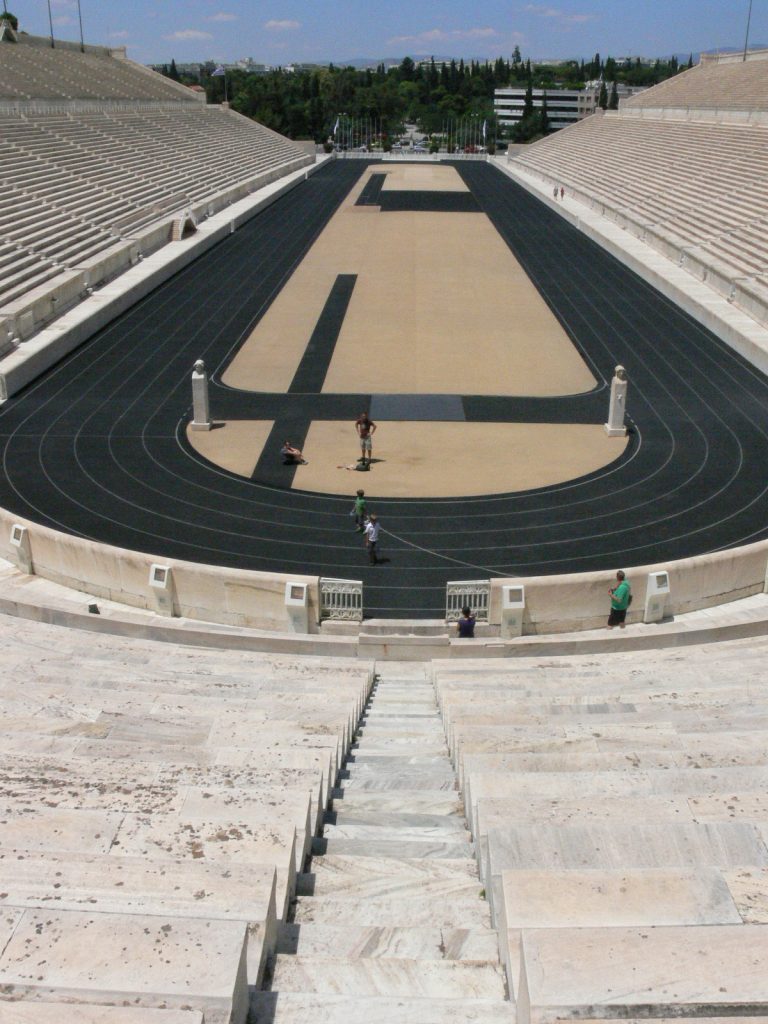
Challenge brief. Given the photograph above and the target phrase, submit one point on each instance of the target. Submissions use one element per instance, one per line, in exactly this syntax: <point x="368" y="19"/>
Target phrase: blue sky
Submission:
<point x="281" y="31"/>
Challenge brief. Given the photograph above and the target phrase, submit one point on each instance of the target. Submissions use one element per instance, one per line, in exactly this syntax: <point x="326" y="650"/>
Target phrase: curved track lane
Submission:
<point x="97" y="447"/>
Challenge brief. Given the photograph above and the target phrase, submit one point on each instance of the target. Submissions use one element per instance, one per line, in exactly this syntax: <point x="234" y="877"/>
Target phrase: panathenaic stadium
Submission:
<point x="250" y="776"/>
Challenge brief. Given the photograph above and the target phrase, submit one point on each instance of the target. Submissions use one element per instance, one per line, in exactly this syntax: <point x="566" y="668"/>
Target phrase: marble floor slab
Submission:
<point x="619" y="847"/>
<point x="389" y="976"/>
<point x="463" y="944"/>
<point x="408" y="848"/>
<point x="394" y="912"/>
<point x="611" y="898"/>
<point x="315" y="1008"/>
<point x="173" y="962"/>
<point x="697" y="971"/>
<point x="427" y="801"/>
<point x="375" y="878"/>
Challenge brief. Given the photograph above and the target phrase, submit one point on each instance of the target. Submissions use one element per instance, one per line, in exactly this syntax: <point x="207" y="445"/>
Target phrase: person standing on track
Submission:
<point x="365" y="429"/>
<point x="371" y="534"/>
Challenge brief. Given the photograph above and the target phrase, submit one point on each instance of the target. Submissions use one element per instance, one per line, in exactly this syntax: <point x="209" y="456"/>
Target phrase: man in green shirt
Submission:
<point x="621" y="595"/>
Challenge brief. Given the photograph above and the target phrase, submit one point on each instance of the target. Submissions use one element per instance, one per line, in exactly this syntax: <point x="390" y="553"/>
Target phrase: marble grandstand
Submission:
<point x="103" y="162"/>
<point x="193" y="834"/>
<point x="681" y="166"/>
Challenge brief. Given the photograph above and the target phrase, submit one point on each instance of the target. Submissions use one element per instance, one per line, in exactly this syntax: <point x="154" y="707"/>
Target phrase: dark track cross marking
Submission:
<point x="308" y="379"/>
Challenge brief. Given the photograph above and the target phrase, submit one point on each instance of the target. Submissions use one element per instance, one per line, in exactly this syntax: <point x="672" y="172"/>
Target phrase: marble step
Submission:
<point x="443" y="979"/>
<point x="397" y="820"/>
<point x="377" y="877"/>
<point x="395" y="848"/>
<point x="394" y="912"/>
<point x="381" y="759"/>
<point x="313" y="1008"/>
<point x="427" y="801"/>
<point x="397" y="767"/>
<point x="405" y="779"/>
<point x="476" y="945"/>
<point x="382" y="709"/>
<point x="347" y="828"/>
<point x="392" y="746"/>
<point x="414" y="726"/>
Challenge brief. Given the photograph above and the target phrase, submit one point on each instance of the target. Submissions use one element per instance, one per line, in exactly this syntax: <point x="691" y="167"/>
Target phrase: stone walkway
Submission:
<point x="390" y="922"/>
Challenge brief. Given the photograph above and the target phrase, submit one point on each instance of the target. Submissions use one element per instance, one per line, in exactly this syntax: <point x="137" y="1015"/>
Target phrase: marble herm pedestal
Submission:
<point x="618" y="404"/>
<point x="201" y="412"/>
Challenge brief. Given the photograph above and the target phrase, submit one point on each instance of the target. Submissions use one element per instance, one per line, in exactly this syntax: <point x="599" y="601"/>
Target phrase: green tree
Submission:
<point x="602" y="100"/>
<point x="613" y="102"/>
<point x="544" y="116"/>
<point x="528" y="101"/>
<point x="173" y="72"/>
<point x="14" y="21"/>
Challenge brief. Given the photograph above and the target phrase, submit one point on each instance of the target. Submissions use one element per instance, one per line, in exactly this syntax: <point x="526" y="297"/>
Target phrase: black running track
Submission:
<point x="97" y="447"/>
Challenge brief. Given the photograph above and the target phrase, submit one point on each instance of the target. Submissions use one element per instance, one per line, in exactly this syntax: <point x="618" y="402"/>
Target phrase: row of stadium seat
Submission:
<point x="40" y="72"/>
<point x="75" y="185"/>
<point x="671" y="176"/>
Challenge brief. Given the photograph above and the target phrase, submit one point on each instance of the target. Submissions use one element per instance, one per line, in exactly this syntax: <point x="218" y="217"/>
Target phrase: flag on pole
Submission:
<point x="335" y="127"/>
<point x="485" y="127"/>
<point x="218" y="72"/>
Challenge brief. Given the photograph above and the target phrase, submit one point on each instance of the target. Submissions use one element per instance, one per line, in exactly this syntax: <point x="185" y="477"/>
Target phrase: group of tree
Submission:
<point x="307" y="103"/>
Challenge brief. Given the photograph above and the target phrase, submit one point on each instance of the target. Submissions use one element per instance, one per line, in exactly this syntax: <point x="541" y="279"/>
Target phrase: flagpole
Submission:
<point x="50" y="22"/>
<point x="80" y="19"/>
<point x="746" y="38"/>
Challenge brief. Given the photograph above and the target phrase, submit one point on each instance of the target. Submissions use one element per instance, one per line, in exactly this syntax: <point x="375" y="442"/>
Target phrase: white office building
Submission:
<point x="564" y="106"/>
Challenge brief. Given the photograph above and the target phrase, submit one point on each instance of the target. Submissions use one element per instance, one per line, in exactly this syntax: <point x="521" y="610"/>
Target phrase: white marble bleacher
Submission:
<point x="616" y="800"/>
<point x="108" y="153"/>
<point x="31" y="69"/>
<point x="157" y="798"/>
<point x="672" y="169"/>
<point x="718" y="83"/>
<point x="78" y="186"/>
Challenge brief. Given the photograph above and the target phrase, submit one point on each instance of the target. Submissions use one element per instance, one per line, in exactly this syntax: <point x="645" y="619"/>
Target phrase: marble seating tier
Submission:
<point x="161" y="799"/>
<point x="612" y="793"/>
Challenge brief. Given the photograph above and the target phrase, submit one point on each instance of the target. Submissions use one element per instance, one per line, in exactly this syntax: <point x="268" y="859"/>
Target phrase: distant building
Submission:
<point x="564" y="106"/>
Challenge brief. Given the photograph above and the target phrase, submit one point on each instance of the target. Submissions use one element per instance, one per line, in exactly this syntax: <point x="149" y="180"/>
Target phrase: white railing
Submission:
<point x="474" y="593"/>
<point x="341" y="599"/>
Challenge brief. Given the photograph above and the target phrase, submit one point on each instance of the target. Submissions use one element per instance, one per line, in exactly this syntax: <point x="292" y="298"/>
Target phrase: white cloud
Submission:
<point x="122" y="34"/>
<point x="188" y="33"/>
<point x="281" y="26"/>
<point x="439" y="35"/>
<point x="553" y="12"/>
<point x="222" y="16"/>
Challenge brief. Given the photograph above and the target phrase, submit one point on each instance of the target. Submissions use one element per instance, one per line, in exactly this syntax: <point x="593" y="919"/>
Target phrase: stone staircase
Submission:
<point x="390" y="922"/>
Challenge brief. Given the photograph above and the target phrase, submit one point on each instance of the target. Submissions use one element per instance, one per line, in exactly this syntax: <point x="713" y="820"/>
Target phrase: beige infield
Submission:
<point x="424" y="459"/>
<point x="440" y="306"/>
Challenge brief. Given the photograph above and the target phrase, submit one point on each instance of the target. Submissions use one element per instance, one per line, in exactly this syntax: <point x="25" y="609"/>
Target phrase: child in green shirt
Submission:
<point x="359" y="511"/>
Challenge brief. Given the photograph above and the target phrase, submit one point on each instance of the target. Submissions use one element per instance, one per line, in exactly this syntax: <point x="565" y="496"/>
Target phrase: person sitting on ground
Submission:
<point x="466" y="624"/>
<point x="292" y="456"/>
